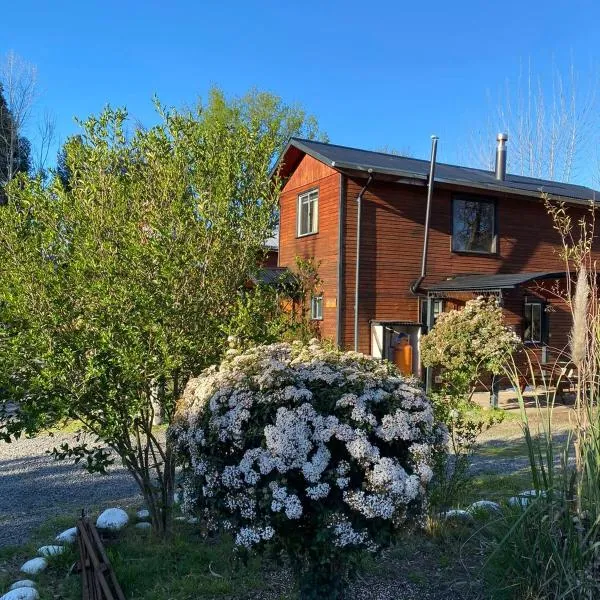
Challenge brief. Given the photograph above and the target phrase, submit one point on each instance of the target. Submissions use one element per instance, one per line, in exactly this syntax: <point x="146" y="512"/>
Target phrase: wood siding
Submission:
<point x="392" y="240"/>
<point x="391" y="247"/>
<point x="322" y="246"/>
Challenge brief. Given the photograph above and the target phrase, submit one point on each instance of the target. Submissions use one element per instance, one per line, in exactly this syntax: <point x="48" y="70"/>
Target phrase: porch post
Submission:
<point x="494" y="392"/>
<point x="428" y="370"/>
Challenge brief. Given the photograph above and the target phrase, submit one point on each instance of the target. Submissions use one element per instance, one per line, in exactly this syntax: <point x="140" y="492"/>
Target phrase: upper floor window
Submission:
<point x="308" y="212"/>
<point x="473" y="225"/>
<point x="316" y="308"/>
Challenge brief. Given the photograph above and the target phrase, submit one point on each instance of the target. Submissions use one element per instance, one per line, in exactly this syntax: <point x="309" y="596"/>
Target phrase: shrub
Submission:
<point x="309" y="451"/>
<point x="469" y="342"/>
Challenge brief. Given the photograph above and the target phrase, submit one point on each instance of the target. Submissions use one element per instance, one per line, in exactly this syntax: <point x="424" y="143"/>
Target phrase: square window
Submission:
<point x="533" y="322"/>
<point x="316" y="308"/>
<point x="308" y="213"/>
<point x="473" y="225"/>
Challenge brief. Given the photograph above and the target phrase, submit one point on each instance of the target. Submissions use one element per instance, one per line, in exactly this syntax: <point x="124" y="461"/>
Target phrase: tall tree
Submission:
<point x="115" y="287"/>
<point x="19" y="88"/>
<point x="14" y="148"/>
<point x="552" y="121"/>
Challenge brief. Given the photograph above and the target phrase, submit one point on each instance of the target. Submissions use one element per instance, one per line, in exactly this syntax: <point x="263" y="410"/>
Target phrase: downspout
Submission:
<point x="357" y="271"/>
<point x="340" y="273"/>
<point x="414" y="288"/>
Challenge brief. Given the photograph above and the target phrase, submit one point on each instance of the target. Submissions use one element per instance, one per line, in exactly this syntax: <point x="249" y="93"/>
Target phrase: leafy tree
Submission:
<point x="15" y="150"/>
<point x="115" y="287"/>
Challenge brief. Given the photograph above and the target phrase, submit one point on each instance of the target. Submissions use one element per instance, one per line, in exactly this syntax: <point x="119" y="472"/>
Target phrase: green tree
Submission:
<point x="115" y="287"/>
<point x="15" y="150"/>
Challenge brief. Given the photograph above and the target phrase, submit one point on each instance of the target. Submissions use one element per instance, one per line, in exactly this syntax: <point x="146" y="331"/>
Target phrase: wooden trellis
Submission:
<point x="98" y="580"/>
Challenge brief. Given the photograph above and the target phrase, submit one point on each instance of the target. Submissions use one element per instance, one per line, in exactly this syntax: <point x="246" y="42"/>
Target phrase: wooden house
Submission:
<point x="386" y="276"/>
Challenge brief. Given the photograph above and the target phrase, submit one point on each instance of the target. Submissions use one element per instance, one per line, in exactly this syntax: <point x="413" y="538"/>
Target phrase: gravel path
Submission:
<point x="34" y="487"/>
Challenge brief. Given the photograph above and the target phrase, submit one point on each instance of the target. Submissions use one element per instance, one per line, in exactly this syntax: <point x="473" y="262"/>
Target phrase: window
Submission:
<point x="308" y="213"/>
<point x="316" y="308"/>
<point x="533" y="322"/>
<point x="473" y="225"/>
<point x="437" y="308"/>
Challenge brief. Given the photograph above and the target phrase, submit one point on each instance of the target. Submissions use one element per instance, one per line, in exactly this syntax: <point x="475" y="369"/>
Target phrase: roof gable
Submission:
<point x="354" y="160"/>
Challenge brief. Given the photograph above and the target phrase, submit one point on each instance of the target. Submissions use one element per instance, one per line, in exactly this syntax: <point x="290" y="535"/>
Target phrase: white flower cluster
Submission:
<point x="291" y="433"/>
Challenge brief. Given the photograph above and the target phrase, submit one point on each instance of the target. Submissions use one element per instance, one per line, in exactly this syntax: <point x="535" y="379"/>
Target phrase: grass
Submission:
<point x="190" y="567"/>
<point x="147" y="568"/>
<point x="499" y="487"/>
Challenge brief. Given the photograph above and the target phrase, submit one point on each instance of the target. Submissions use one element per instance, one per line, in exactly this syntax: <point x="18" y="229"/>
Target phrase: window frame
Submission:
<point x="318" y="298"/>
<point x="437" y="308"/>
<point x="542" y="309"/>
<point x="495" y="237"/>
<point x="302" y="195"/>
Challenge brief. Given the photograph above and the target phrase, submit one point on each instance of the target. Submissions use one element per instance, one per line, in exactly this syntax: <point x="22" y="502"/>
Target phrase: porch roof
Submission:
<point x="499" y="281"/>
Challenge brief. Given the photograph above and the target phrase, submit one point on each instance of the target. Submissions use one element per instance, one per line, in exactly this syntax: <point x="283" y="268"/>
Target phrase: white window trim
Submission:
<point x="299" y="212"/>
<point x="312" y="307"/>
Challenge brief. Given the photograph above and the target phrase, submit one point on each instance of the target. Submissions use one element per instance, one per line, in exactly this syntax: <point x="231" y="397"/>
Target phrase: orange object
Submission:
<point x="403" y="357"/>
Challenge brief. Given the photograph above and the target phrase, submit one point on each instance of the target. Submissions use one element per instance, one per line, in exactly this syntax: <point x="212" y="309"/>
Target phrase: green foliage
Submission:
<point x="15" y="150"/>
<point x="465" y="422"/>
<point x="115" y="286"/>
<point x="467" y="343"/>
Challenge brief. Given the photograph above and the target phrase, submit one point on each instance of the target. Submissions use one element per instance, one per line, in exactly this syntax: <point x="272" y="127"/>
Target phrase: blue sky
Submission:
<point x="375" y="74"/>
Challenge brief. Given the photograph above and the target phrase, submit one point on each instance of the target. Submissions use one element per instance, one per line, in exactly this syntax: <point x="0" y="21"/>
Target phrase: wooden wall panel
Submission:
<point x="323" y="246"/>
<point x="392" y="239"/>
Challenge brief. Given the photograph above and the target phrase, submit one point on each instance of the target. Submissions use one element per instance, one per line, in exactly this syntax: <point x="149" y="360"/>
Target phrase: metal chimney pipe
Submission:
<point x="501" y="156"/>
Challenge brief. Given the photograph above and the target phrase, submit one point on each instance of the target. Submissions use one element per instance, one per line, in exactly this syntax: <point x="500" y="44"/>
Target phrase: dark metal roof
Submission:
<point x="280" y="276"/>
<point x="356" y="160"/>
<point x="500" y="281"/>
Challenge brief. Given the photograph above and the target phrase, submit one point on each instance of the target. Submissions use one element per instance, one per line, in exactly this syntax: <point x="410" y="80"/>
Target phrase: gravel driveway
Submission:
<point x="34" y="487"/>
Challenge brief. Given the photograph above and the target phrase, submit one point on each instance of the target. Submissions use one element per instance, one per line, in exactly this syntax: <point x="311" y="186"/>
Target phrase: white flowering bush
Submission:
<point x="315" y="452"/>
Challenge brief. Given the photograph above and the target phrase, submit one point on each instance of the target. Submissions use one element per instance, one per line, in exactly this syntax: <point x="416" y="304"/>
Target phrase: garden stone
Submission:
<point x="22" y="583"/>
<point x="34" y="566"/>
<point x="522" y="499"/>
<point x="24" y="593"/>
<point x="144" y="525"/>
<point x="51" y="550"/>
<point x="69" y="536"/>
<point x="484" y="505"/>
<point x="458" y="515"/>
<point x="113" y="519"/>
<point x="143" y="515"/>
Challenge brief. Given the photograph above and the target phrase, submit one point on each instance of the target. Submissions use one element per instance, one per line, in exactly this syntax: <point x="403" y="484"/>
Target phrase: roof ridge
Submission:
<point x="516" y="176"/>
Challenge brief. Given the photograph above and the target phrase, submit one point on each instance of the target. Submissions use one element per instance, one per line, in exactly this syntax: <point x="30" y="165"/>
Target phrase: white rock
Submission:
<point x="143" y="515"/>
<point x="458" y="515"/>
<point x="524" y="498"/>
<point x="22" y="583"/>
<point x="114" y="519"/>
<point x="51" y="550"/>
<point x="192" y="520"/>
<point x="181" y="518"/>
<point x="484" y="505"/>
<point x="143" y="525"/>
<point x="68" y="536"/>
<point x="34" y="566"/>
<point x="24" y="593"/>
